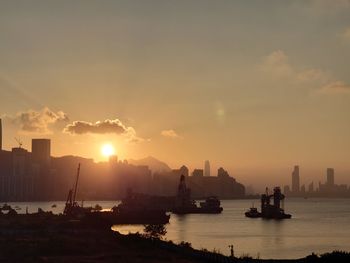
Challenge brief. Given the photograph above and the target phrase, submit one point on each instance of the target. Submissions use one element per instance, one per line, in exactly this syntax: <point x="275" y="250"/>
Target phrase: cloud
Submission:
<point x="32" y="121"/>
<point x="99" y="127"/>
<point x="170" y="134"/>
<point x="277" y="66"/>
<point x="313" y="75"/>
<point x="336" y="87"/>
<point x="346" y="34"/>
<point x="103" y="127"/>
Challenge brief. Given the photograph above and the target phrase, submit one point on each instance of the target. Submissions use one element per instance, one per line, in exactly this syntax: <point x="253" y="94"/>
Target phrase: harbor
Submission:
<point x="181" y="219"/>
<point x="314" y="222"/>
<point x="179" y="216"/>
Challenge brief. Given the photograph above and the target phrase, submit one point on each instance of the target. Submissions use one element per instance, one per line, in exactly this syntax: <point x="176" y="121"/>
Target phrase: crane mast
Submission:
<point x="76" y="184"/>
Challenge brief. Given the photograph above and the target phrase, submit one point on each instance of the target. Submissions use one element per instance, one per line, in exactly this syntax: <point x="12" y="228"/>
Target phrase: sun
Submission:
<point x="107" y="150"/>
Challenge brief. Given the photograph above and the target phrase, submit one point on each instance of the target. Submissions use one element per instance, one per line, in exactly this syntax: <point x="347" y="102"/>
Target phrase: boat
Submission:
<point x="6" y="207"/>
<point x="182" y="203"/>
<point x="211" y="205"/>
<point x="268" y="210"/>
<point x="253" y="213"/>
<point x="137" y="215"/>
<point x="7" y="210"/>
<point x="97" y="207"/>
<point x="185" y="205"/>
<point x="128" y="212"/>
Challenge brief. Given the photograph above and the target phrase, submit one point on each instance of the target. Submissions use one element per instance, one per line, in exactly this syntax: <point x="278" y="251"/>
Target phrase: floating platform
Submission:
<point x="269" y="211"/>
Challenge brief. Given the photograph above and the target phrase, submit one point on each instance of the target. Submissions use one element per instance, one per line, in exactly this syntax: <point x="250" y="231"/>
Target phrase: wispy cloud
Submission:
<point x="313" y="75"/>
<point x="170" y="134"/>
<point x="103" y="127"/>
<point x="32" y="121"/>
<point x="277" y="65"/>
<point x="346" y="34"/>
<point x="336" y="87"/>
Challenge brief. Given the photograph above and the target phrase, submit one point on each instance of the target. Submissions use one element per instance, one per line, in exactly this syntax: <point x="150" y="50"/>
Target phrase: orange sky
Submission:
<point x="253" y="87"/>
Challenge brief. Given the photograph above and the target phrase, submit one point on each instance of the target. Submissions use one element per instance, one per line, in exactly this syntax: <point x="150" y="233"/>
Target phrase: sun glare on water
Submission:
<point x="107" y="150"/>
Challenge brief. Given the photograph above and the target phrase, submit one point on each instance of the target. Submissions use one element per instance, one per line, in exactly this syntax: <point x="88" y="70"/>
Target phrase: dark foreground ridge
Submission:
<point x="85" y="243"/>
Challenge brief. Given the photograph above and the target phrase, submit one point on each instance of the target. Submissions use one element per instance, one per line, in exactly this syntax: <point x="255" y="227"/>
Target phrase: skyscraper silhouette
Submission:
<point x="206" y="168"/>
<point x="295" y="179"/>
<point x="330" y="176"/>
<point x="0" y="135"/>
<point x="41" y="151"/>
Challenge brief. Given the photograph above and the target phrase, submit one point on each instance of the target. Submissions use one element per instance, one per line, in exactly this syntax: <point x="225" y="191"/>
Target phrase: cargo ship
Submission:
<point x="128" y="212"/>
<point x="181" y="203"/>
<point x="185" y="205"/>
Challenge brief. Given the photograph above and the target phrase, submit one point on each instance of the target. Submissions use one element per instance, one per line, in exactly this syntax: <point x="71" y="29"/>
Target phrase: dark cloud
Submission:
<point x="32" y="121"/>
<point x="103" y="127"/>
<point x="99" y="127"/>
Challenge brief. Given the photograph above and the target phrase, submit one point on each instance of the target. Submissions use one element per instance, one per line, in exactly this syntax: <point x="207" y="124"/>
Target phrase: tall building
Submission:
<point x="206" y="168"/>
<point x="330" y="176"/>
<point x="19" y="158"/>
<point x="295" y="179"/>
<point x="20" y="182"/>
<point x="197" y="172"/>
<point x="0" y="135"/>
<point x="41" y="151"/>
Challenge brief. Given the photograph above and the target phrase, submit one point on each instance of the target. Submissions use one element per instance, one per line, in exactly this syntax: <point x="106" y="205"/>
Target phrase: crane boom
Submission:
<point x="76" y="184"/>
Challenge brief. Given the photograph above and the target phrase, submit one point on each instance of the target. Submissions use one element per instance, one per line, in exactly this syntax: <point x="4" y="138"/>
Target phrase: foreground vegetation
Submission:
<point x="88" y="244"/>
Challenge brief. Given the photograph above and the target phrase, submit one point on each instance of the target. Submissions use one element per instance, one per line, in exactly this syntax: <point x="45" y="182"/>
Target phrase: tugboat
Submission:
<point x="253" y="212"/>
<point x="270" y="211"/>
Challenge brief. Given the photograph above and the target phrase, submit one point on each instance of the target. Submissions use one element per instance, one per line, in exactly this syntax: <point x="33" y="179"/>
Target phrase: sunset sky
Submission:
<point x="253" y="86"/>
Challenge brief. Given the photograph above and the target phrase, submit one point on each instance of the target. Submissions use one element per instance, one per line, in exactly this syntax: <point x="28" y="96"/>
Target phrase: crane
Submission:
<point x="71" y="204"/>
<point x="18" y="140"/>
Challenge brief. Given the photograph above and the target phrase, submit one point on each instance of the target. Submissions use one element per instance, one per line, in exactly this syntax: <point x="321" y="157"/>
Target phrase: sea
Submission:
<point x="318" y="225"/>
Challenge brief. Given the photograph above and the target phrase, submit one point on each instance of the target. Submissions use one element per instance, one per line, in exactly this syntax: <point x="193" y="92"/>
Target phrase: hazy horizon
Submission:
<point x="255" y="87"/>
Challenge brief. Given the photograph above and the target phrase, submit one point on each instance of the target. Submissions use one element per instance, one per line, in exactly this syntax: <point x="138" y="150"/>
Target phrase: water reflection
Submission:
<point x="273" y="229"/>
<point x="181" y="223"/>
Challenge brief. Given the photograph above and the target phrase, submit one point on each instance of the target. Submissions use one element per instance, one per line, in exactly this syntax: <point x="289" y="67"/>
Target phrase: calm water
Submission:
<point x="318" y="225"/>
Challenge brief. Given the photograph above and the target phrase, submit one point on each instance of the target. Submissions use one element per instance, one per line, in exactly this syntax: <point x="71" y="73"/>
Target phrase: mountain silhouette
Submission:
<point x="153" y="164"/>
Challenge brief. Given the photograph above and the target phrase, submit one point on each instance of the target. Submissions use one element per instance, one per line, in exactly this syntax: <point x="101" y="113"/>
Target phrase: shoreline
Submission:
<point x="76" y="242"/>
<point x="196" y="199"/>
